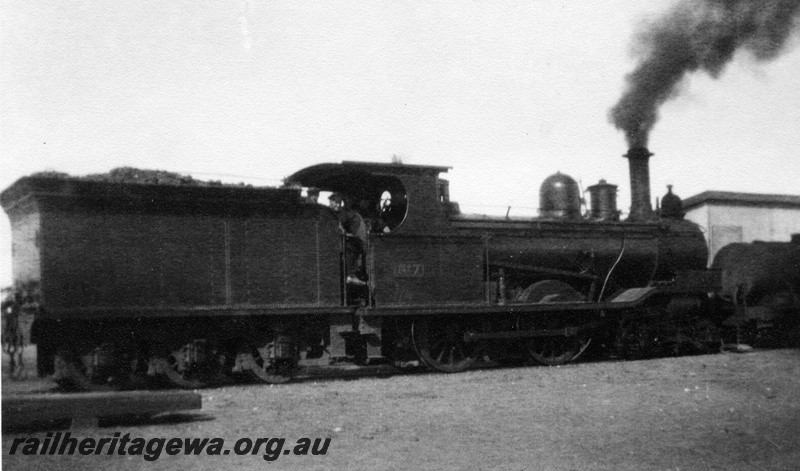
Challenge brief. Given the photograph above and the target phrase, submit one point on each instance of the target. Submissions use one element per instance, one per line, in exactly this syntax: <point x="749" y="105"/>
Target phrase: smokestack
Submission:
<point x="638" y="162"/>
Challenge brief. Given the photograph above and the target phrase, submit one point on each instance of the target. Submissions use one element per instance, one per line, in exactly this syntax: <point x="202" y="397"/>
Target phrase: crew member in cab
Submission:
<point x="352" y="224"/>
<point x="312" y="195"/>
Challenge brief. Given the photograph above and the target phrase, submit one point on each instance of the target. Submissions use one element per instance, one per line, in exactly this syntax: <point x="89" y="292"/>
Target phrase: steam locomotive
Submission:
<point x="760" y="288"/>
<point x="198" y="284"/>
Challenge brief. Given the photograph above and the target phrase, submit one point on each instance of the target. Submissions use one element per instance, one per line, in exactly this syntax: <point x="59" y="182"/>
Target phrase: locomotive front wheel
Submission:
<point x="440" y="343"/>
<point x="702" y="337"/>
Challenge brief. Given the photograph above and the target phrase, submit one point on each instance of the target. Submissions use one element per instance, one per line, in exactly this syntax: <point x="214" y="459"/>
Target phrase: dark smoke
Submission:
<point x="697" y="35"/>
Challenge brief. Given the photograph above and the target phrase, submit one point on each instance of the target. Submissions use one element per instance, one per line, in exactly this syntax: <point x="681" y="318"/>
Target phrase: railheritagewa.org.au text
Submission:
<point x="270" y="449"/>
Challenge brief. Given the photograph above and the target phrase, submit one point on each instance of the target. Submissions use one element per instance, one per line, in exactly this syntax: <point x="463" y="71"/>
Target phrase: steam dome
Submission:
<point x="559" y="197"/>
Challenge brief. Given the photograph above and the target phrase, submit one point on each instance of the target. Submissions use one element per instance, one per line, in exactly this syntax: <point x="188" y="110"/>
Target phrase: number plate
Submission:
<point x="409" y="270"/>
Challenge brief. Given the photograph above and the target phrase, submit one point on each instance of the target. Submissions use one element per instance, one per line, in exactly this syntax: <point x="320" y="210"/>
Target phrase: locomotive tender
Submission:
<point x="194" y="284"/>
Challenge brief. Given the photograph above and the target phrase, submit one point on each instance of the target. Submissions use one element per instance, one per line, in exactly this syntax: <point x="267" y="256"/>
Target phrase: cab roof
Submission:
<point x="332" y="175"/>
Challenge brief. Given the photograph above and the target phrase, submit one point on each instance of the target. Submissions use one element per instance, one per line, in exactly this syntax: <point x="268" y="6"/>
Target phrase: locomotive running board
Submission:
<point x="627" y="299"/>
<point x="234" y="310"/>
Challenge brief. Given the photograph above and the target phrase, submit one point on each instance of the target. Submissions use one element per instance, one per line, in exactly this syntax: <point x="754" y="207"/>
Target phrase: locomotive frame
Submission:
<point x="193" y="284"/>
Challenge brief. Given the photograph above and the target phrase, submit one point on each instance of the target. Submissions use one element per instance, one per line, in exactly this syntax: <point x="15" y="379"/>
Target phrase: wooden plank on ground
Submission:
<point x="18" y="411"/>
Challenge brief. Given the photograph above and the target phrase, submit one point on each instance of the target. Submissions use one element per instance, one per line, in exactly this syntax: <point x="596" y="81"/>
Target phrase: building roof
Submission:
<point x="732" y="198"/>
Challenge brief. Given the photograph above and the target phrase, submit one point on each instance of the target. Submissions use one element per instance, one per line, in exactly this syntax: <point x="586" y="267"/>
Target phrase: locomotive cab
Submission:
<point x="403" y="197"/>
<point x="411" y="240"/>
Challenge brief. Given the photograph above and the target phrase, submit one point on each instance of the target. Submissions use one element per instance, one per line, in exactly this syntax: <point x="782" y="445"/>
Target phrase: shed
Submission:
<point x="729" y="217"/>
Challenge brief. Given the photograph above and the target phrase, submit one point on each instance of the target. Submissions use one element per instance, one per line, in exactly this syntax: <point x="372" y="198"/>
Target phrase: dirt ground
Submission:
<point x="713" y="412"/>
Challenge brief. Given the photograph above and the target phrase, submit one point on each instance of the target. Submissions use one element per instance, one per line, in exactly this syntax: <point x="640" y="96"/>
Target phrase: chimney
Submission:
<point x="638" y="161"/>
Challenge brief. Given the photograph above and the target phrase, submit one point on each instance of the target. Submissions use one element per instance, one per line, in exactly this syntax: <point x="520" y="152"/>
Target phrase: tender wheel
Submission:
<point x="271" y="370"/>
<point x="103" y="368"/>
<point x="70" y="373"/>
<point x="273" y="361"/>
<point x="190" y="366"/>
<point x="440" y="343"/>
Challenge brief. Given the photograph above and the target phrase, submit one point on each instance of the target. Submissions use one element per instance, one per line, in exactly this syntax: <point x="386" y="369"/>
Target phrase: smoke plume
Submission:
<point x="697" y="35"/>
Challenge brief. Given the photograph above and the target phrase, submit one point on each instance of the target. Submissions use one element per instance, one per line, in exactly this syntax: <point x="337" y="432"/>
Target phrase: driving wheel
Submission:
<point x="441" y="345"/>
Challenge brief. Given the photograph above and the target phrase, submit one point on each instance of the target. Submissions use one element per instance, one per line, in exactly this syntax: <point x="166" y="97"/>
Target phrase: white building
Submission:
<point x="728" y="217"/>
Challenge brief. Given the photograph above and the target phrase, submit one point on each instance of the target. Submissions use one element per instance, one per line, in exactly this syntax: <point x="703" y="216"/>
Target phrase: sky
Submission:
<point x="505" y="92"/>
